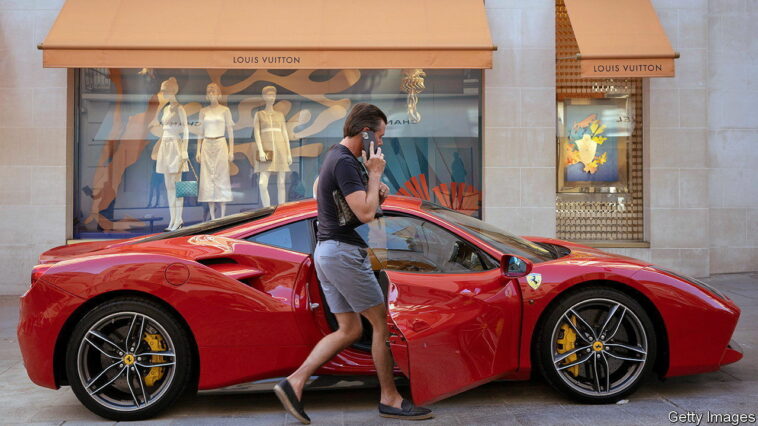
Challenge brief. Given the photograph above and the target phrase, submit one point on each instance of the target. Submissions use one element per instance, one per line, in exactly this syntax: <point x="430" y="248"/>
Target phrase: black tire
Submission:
<point x="99" y="352"/>
<point x="601" y="365"/>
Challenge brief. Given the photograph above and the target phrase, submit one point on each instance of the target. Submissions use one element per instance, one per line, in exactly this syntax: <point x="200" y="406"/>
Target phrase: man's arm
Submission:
<point x="365" y="203"/>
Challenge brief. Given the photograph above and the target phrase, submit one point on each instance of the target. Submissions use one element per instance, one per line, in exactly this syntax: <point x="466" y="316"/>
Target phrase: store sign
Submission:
<point x="266" y="60"/>
<point x="291" y="59"/>
<point x="609" y="68"/>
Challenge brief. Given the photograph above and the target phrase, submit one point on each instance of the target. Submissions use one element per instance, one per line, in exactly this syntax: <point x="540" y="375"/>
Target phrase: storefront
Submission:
<point x="141" y="104"/>
<point x="624" y="146"/>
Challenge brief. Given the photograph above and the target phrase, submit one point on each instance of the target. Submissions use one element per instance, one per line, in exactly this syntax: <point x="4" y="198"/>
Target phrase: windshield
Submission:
<point x="501" y="240"/>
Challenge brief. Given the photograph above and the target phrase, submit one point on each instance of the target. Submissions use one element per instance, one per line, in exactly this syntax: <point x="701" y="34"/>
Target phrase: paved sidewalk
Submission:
<point x="733" y="390"/>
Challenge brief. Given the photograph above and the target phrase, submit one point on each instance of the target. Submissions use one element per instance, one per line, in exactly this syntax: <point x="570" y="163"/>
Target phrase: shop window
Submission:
<point x="132" y="127"/>
<point x="599" y="151"/>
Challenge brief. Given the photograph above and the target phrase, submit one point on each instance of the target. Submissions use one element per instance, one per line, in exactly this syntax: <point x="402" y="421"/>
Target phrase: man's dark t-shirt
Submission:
<point x="340" y="170"/>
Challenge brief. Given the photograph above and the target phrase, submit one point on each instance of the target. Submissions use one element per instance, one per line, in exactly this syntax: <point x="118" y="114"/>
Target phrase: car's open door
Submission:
<point x="452" y="332"/>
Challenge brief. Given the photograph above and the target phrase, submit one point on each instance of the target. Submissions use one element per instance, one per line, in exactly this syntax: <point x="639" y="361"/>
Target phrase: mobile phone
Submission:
<point x="367" y="137"/>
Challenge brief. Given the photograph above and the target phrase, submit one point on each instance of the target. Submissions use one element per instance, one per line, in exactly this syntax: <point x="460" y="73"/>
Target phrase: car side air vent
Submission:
<point x="216" y="261"/>
<point x="232" y="269"/>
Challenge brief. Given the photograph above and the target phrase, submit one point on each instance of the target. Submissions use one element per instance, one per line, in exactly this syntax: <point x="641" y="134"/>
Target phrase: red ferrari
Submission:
<point x="131" y="325"/>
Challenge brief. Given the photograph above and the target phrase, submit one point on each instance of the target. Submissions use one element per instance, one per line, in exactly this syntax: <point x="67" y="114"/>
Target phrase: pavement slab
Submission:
<point x="733" y="389"/>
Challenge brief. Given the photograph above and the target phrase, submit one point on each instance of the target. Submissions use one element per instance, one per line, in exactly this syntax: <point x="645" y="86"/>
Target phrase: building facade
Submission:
<point x="698" y="136"/>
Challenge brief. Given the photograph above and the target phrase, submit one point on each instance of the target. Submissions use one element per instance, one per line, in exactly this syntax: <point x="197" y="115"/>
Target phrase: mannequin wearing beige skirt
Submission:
<point x="273" y="143"/>
<point x="213" y="153"/>
<point x="170" y="153"/>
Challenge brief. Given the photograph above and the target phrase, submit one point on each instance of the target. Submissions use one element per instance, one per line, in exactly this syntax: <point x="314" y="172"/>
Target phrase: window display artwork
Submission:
<point x="593" y="138"/>
<point x="256" y="138"/>
<point x="604" y="205"/>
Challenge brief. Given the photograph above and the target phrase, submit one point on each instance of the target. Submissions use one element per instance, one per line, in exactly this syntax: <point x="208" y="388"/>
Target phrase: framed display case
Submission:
<point x="593" y="138"/>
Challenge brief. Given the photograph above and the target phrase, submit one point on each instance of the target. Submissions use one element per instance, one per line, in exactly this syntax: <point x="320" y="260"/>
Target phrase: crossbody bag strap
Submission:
<point x="192" y="168"/>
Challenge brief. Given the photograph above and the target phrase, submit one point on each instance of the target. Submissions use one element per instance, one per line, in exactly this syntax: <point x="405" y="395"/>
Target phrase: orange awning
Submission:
<point x="620" y="38"/>
<point x="281" y="34"/>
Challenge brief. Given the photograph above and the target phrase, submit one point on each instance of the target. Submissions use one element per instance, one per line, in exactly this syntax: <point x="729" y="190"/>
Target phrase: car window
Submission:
<point x="296" y="236"/>
<point x="405" y="243"/>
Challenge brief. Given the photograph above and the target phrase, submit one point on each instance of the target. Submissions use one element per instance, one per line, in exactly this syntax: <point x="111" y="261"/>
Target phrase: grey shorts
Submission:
<point x="346" y="277"/>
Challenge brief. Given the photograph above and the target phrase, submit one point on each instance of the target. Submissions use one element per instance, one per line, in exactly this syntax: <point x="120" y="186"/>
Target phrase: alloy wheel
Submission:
<point x="126" y="361"/>
<point x="599" y="347"/>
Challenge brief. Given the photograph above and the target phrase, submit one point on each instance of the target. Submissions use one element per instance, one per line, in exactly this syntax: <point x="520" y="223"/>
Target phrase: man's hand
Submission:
<point x="384" y="191"/>
<point x="375" y="163"/>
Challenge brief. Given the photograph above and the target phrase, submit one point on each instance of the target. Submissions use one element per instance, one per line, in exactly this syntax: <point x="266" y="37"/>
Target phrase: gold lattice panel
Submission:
<point x="599" y="216"/>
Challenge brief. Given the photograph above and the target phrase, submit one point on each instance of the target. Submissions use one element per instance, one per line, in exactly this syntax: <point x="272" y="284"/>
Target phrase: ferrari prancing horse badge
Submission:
<point x="534" y="280"/>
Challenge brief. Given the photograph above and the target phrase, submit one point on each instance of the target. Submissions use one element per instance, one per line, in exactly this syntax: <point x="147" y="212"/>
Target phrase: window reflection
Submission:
<point x="413" y="245"/>
<point x="119" y="192"/>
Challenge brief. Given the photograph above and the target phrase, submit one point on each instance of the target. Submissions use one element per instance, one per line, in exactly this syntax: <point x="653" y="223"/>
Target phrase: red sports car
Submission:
<point x="130" y="325"/>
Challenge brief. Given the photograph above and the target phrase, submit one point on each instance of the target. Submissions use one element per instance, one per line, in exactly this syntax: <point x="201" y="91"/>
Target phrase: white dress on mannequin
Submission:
<point x="215" y="183"/>
<point x="169" y="158"/>
<point x="272" y="126"/>
<point x="273" y="144"/>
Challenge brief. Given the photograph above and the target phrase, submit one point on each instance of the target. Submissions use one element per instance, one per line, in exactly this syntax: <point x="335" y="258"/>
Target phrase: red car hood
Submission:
<point x="581" y="252"/>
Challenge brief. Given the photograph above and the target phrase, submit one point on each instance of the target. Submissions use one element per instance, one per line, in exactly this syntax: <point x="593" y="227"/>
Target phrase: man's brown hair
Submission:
<point x="363" y="115"/>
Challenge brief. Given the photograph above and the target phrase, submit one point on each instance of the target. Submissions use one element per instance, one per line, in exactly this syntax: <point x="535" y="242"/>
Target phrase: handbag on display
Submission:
<point x="345" y="214"/>
<point x="269" y="155"/>
<point x="187" y="188"/>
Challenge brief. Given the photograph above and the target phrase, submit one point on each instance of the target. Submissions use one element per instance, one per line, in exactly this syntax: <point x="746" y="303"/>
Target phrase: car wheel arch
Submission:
<point x="59" y="357"/>
<point x="662" y="360"/>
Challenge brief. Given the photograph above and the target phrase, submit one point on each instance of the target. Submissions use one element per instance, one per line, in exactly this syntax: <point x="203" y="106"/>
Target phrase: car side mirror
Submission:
<point x="515" y="266"/>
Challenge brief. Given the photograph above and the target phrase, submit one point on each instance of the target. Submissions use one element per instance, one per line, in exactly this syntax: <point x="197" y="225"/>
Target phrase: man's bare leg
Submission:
<point x="349" y="331"/>
<point x="382" y="356"/>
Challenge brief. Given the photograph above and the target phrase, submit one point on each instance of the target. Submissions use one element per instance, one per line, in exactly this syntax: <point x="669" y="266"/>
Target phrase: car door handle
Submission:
<point x="394" y="334"/>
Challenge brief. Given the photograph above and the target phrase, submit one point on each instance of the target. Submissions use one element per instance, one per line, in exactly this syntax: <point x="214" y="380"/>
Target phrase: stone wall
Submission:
<point x="732" y="147"/>
<point x="702" y="146"/>
<point x="519" y="124"/>
<point x="33" y="181"/>
<point x="677" y="144"/>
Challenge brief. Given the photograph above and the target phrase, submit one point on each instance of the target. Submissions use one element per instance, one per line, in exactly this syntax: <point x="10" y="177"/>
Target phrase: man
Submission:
<point x="343" y="267"/>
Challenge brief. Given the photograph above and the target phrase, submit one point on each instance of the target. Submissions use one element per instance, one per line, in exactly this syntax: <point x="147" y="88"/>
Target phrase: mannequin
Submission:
<point x="213" y="153"/>
<point x="273" y="142"/>
<point x="170" y="151"/>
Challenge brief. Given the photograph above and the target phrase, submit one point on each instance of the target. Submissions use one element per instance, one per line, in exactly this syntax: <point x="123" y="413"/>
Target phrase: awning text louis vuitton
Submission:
<point x="266" y="59"/>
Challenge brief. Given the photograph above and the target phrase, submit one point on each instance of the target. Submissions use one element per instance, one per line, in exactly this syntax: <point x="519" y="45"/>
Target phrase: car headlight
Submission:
<point x="696" y="282"/>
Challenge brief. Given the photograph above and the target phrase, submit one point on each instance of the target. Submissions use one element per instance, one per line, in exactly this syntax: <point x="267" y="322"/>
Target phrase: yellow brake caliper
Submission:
<point x="156" y="343"/>
<point x="567" y="343"/>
